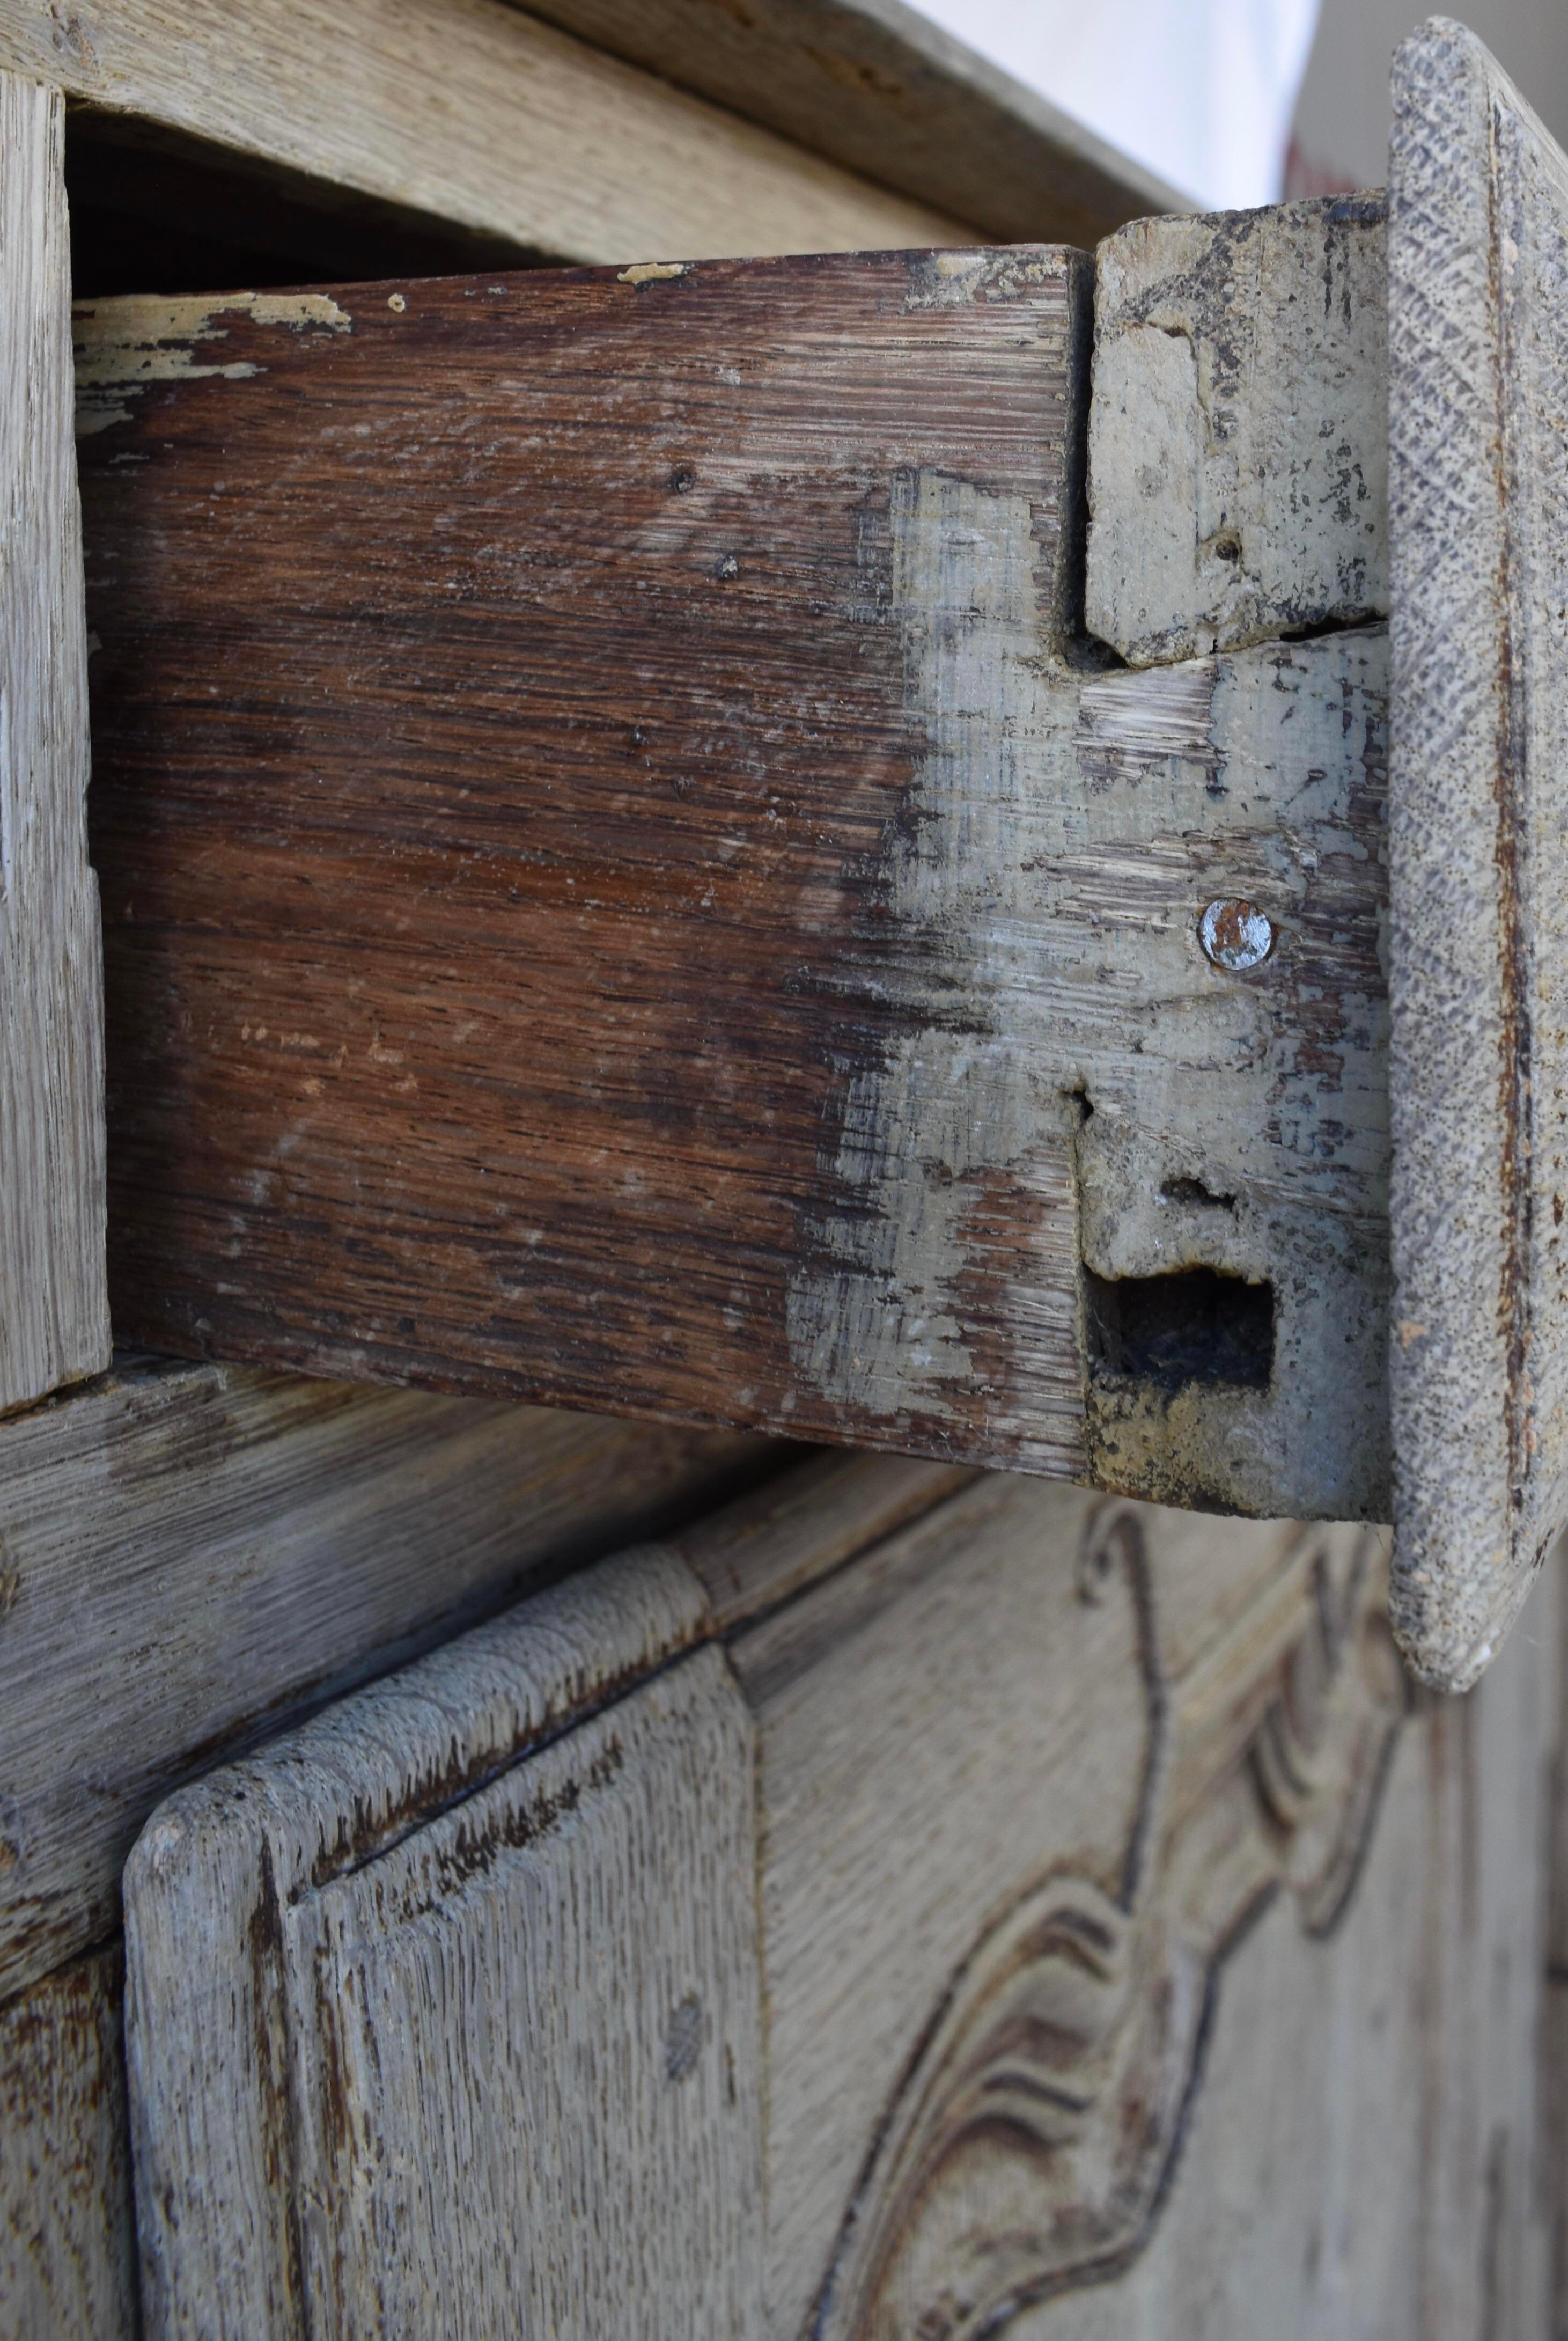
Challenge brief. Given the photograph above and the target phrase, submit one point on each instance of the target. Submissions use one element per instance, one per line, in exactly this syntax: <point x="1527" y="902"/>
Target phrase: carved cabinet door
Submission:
<point x="810" y="1924"/>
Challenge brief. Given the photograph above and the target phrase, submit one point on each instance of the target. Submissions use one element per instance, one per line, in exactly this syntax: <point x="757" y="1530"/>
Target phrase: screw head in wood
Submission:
<point x="1235" y="934"/>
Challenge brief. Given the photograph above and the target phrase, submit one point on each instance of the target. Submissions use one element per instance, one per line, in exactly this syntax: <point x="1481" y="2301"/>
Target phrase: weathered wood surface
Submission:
<point x="513" y="2008"/>
<point x="1022" y="1768"/>
<point x="189" y="1556"/>
<point x="1238" y="433"/>
<point x="1368" y="2153"/>
<point x="1110" y="1733"/>
<point x="830" y="908"/>
<point x="579" y="1165"/>
<point x="54" y="1304"/>
<point x="1555" y="2028"/>
<point x="469" y="110"/>
<point x="1478" y="293"/>
<point x="893" y="96"/>
<point x="67" y="2233"/>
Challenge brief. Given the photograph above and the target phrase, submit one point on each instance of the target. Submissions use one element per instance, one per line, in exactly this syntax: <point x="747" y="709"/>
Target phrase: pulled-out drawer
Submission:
<point x="833" y="845"/>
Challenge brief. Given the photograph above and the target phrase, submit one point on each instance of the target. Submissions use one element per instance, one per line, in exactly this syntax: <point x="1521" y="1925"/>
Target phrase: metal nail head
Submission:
<point x="1235" y="934"/>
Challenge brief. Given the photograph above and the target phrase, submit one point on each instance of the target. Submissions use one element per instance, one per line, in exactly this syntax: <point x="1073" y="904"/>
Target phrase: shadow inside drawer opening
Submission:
<point x="153" y="212"/>
<point x="1193" y="1326"/>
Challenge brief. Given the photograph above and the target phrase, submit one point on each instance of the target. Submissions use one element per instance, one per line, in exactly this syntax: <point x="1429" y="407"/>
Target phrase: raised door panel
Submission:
<point x="470" y="2037"/>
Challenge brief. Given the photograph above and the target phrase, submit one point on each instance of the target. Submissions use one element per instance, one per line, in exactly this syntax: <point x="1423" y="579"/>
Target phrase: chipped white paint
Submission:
<point x="141" y="340"/>
<point x="1237" y="437"/>
<point x="53" y="1299"/>
<point x="653" y="272"/>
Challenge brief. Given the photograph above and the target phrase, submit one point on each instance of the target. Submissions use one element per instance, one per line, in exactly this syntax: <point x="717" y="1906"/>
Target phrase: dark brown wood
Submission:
<point x="521" y="717"/>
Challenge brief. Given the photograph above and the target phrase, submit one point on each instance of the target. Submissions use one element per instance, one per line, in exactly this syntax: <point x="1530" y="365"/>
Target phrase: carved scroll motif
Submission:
<point x="1033" y="2138"/>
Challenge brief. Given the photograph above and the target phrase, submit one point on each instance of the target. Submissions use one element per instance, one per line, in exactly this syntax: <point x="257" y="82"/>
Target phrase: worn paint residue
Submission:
<point x="123" y="346"/>
<point x="653" y="271"/>
<point x="877" y="1320"/>
<point x="1076" y="1080"/>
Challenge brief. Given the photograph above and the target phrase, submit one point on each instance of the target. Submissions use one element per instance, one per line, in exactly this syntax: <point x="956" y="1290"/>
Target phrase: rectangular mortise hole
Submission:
<point x="1194" y="1325"/>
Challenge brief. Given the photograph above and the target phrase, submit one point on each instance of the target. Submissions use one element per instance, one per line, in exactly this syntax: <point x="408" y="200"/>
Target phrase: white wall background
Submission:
<point x="1342" y="118"/>
<point x="1201" y="91"/>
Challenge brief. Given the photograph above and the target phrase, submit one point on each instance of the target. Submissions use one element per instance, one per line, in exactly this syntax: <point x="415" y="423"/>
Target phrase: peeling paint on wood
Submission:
<point x="154" y="340"/>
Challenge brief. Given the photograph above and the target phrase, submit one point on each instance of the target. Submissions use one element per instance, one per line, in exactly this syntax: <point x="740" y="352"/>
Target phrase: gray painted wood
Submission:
<point x="67" y="2233"/>
<point x="1239" y="429"/>
<point x="1367" y="2155"/>
<point x="190" y="1557"/>
<point x="1478" y="358"/>
<point x="994" y="1791"/>
<point x="509" y="2010"/>
<point x="54" y="1300"/>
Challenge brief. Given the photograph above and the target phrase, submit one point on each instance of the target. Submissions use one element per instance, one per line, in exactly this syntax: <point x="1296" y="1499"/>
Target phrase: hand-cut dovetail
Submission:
<point x="1235" y="934"/>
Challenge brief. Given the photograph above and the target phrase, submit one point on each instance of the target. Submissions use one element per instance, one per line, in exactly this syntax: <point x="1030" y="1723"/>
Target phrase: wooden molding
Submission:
<point x="1054" y="2078"/>
<point x="191" y="1555"/>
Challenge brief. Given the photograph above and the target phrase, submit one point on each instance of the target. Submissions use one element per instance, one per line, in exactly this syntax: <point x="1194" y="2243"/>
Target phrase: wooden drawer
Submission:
<point x="649" y="862"/>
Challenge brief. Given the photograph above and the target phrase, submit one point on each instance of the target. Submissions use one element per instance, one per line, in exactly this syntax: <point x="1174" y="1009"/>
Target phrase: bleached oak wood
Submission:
<point x="1478" y="385"/>
<point x="67" y="2233"/>
<point x="1239" y="429"/>
<point x="189" y="1556"/>
<point x="892" y="95"/>
<point x="54" y="1302"/>
<point x="1026" y="1761"/>
<point x="468" y="109"/>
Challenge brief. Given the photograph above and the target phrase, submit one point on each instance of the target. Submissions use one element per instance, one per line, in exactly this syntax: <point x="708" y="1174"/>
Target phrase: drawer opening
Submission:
<point x="1193" y="1326"/>
<point x="153" y="211"/>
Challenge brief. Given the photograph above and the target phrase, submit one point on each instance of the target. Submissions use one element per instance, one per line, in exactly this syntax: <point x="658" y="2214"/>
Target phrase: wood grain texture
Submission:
<point x="806" y="880"/>
<point x="1240" y="1119"/>
<point x="190" y="1556"/>
<point x="1238" y="434"/>
<point x="1021" y="1768"/>
<point x="544" y="1972"/>
<point x="1478" y="266"/>
<point x="754" y="1554"/>
<point x="54" y="1305"/>
<point x="466" y="109"/>
<point x="814" y="513"/>
<point x="1366" y="2155"/>
<point x="893" y="96"/>
<point x="67" y="2231"/>
<point x="1023" y="1771"/>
